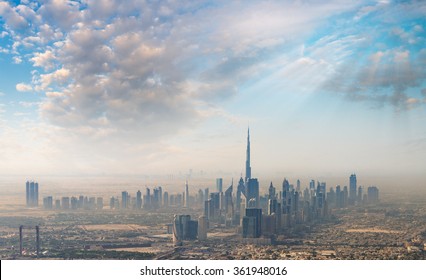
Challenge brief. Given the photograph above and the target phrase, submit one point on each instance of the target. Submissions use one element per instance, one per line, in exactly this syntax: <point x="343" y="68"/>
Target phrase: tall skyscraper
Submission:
<point x="252" y="223"/>
<point x="252" y="193"/>
<point x="186" y="195"/>
<point x="219" y="183"/>
<point x="271" y="192"/>
<point x="184" y="229"/>
<point x="248" y="167"/>
<point x="31" y="194"/>
<point x="202" y="227"/>
<point x="124" y="200"/>
<point x="352" y="189"/>
<point x="138" y="199"/>
<point x="228" y="205"/>
<point x="27" y="188"/>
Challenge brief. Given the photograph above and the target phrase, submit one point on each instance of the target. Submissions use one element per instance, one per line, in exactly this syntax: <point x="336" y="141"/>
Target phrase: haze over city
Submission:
<point x="139" y="88"/>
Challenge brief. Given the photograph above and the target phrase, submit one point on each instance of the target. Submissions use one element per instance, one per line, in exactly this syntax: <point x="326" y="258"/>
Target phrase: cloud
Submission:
<point x="44" y="60"/>
<point x="59" y="77"/>
<point x="386" y="68"/>
<point x="114" y="72"/>
<point x="139" y="67"/>
<point x="24" y="87"/>
<point x="13" y="19"/>
<point x="17" y="60"/>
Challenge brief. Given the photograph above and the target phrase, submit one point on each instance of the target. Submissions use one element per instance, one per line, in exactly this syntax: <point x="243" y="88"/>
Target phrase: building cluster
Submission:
<point x="73" y="203"/>
<point x="278" y="211"/>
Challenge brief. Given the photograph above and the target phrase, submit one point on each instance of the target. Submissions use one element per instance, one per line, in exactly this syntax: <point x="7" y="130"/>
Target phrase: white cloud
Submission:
<point x="24" y="87"/>
<point x="17" y="60"/>
<point x="58" y="77"/>
<point x="44" y="60"/>
<point x="13" y="19"/>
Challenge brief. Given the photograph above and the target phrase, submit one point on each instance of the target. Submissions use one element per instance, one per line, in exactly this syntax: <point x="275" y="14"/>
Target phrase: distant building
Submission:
<point x="203" y="225"/>
<point x="31" y="194"/>
<point x="166" y="199"/>
<point x="219" y="183"/>
<point x="48" y="203"/>
<point x="186" y="195"/>
<point x="352" y="189"/>
<point x="252" y="223"/>
<point x="138" y="200"/>
<point x="252" y="192"/>
<point x="65" y="203"/>
<point x="228" y="204"/>
<point x="184" y="229"/>
<point x="248" y="166"/>
<point x="125" y="200"/>
<point x="372" y="195"/>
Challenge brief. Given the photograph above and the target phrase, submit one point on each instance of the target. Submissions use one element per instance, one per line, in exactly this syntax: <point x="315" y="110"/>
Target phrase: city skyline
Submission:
<point x="98" y="87"/>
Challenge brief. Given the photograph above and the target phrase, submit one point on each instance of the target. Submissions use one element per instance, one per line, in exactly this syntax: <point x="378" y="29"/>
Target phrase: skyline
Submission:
<point x="328" y="88"/>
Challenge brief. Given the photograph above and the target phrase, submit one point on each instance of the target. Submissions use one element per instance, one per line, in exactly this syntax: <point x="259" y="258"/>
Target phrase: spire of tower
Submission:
<point x="248" y="167"/>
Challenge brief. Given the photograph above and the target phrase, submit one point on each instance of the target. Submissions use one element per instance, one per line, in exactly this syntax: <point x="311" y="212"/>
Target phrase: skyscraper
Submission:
<point x="124" y="200"/>
<point x="202" y="227"/>
<point x="219" y="183"/>
<point x="186" y="195"/>
<point x="31" y="194"/>
<point x="138" y="199"/>
<point x="228" y="205"/>
<point x="184" y="229"/>
<point x="252" y="193"/>
<point x="352" y="189"/>
<point x="252" y="223"/>
<point x="27" y="188"/>
<point x="248" y="167"/>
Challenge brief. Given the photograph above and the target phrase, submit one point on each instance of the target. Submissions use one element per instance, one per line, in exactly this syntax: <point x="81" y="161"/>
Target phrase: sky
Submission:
<point x="133" y="87"/>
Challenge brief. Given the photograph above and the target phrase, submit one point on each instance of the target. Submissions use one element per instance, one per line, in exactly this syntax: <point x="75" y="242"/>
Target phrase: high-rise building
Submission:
<point x="219" y="182"/>
<point x="186" y="194"/>
<point x="372" y="194"/>
<point x="228" y="204"/>
<point x="200" y="198"/>
<point x="65" y="203"/>
<point x="138" y="199"/>
<point x="125" y="200"/>
<point x="252" y="223"/>
<point x="166" y="199"/>
<point x="248" y="166"/>
<point x="203" y="225"/>
<point x="240" y="191"/>
<point x="352" y="189"/>
<point x="156" y="199"/>
<point x="252" y="195"/>
<point x="48" y="203"/>
<point x="27" y="188"/>
<point x="147" y="199"/>
<point x="184" y="229"/>
<point x="31" y="194"/>
<point x="35" y="199"/>
<point x="271" y="192"/>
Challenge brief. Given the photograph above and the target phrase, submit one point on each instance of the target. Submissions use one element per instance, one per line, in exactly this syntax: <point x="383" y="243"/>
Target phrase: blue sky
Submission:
<point x="160" y="87"/>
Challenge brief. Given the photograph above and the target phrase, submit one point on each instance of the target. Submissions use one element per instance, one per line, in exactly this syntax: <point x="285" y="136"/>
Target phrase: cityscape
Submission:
<point x="288" y="222"/>
<point x="212" y="130"/>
